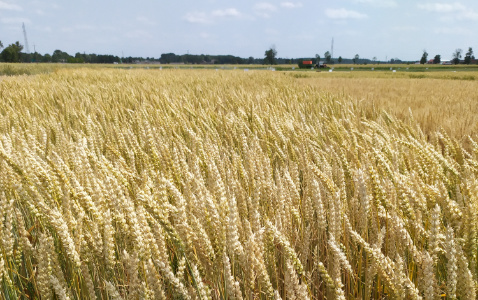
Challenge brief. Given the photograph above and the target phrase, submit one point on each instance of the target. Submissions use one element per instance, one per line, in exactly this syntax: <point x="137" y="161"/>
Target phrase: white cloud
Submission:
<point x="44" y="4"/>
<point x="454" y="11"/>
<point x="15" y="20"/>
<point x="265" y="6"/>
<point x="264" y="9"/>
<point x="208" y="18"/>
<point x="342" y="13"/>
<point x="198" y="17"/>
<point x="228" y="12"/>
<point x="469" y="15"/>
<point x="291" y="4"/>
<point x="379" y="3"/>
<point x="443" y="7"/>
<point x="9" y="6"/>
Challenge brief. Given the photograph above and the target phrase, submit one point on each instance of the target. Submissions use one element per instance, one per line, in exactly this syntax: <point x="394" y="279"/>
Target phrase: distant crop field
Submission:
<point x="231" y="184"/>
<point x="436" y="100"/>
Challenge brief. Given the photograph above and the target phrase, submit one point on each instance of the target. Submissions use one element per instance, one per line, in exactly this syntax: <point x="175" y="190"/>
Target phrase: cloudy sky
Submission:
<point x="371" y="28"/>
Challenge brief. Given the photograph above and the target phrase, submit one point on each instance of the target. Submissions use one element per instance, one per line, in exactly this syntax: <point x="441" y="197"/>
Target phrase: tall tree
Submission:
<point x="12" y="52"/>
<point x="317" y="59"/>
<point x="339" y="59"/>
<point x="1" y="45"/>
<point x="328" y="57"/>
<point x="423" y="60"/>
<point x="270" y="56"/>
<point x="356" y="58"/>
<point x="457" y="56"/>
<point x="59" y="56"/>
<point x="469" y="56"/>
<point x="437" y="59"/>
<point x="46" y="58"/>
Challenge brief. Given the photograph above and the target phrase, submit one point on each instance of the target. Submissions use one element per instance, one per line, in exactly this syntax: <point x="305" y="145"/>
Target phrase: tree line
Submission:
<point x="13" y="53"/>
<point x="271" y="53"/>
<point x="456" y="57"/>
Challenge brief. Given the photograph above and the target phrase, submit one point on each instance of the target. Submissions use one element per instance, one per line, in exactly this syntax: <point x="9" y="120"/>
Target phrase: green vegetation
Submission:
<point x="12" y="53"/>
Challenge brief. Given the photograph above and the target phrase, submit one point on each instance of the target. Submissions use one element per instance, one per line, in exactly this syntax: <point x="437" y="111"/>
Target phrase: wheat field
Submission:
<point x="184" y="184"/>
<point x="438" y="100"/>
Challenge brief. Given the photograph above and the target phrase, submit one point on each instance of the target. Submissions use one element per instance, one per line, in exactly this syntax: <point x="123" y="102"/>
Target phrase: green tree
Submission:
<point x="12" y="52"/>
<point x="437" y="59"/>
<point x="46" y="58"/>
<point x="36" y="57"/>
<point x="469" y="56"/>
<point x="60" y="56"/>
<point x="79" y="58"/>
<point x="457" y="56"/>
<point x="356" y="59"/>
<point x="270" y="56"/>
<point x="328" y="57"/>
<point x="26" y="57"/>
<point x="1" y="45"/>
<point x="340" y="59"/>
<point x="423" y="60"/>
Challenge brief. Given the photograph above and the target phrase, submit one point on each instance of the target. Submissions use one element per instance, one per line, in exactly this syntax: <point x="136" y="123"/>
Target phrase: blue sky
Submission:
<point x="371" y="28"/>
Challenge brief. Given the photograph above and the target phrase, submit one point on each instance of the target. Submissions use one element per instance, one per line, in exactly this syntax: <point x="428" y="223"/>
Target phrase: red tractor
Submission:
<point x="320" y="65"/>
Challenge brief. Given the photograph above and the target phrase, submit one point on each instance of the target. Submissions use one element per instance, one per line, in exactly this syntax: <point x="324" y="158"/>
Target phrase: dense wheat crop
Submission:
<point x="439" y="99"/>
<point x="132" y="184"/>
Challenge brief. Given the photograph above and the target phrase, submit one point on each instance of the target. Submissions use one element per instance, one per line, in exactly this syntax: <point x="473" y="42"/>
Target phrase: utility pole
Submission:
<point x="27" y="48"/>
<point x="332" y="49"/>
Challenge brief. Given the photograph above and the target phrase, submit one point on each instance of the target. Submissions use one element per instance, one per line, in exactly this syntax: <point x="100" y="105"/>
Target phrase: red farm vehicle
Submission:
<point x="308" y="64"/>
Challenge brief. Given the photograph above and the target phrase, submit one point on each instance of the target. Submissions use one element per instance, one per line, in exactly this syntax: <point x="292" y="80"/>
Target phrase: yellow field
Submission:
<point x="204" y="184"/>
<point x="436" y="100"/>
